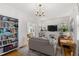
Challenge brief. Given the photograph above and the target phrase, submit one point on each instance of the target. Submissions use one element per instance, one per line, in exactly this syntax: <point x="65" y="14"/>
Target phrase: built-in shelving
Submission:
<point x="8" y="34"/>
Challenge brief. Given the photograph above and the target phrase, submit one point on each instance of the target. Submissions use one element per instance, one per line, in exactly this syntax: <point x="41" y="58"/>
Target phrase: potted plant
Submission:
<point x="64" y="29"/>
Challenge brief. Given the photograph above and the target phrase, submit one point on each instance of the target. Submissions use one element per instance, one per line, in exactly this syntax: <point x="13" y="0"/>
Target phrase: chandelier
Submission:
<point x="40" y="10"/>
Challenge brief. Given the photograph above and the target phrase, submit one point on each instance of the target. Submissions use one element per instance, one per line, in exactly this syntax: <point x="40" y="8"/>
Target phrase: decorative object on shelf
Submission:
<point x="4" y="18"/>
<point x="39" y="10"/>
<point x="1" y="50"/>
<point x="0" y="43"/>
<point x="1" y="31"/>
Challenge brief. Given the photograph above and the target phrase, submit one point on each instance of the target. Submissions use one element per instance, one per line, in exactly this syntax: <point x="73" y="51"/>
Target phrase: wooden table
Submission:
<point x="68" y="46"/>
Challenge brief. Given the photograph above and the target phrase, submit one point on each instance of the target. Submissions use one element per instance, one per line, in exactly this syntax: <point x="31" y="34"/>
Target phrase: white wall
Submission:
<point x="22" y="18"/>
<point x="53" y="21"/>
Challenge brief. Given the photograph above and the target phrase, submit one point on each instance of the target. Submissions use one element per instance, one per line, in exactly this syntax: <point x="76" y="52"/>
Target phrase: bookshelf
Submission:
<point x="8" y="34"/>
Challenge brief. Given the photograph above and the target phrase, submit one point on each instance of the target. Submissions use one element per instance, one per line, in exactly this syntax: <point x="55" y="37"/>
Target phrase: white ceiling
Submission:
<point x="52" y="9"/>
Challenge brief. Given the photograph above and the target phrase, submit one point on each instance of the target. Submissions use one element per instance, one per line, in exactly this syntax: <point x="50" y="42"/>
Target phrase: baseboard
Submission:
<point x="23" y="46"/>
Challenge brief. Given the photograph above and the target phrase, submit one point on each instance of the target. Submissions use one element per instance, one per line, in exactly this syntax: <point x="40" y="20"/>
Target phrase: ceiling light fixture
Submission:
<point x="40" y="10"/>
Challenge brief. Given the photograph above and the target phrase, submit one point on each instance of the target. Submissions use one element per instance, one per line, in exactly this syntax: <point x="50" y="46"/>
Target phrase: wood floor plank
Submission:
<point x="14" y="53"/>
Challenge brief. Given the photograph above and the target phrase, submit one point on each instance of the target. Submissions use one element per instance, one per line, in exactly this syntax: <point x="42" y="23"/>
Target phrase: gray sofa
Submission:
<point x="41" y="45"/>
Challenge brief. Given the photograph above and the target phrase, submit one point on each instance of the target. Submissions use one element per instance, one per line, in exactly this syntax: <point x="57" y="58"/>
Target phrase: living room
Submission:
<point x="50" y="27"/>
<point x="40" y="28"/>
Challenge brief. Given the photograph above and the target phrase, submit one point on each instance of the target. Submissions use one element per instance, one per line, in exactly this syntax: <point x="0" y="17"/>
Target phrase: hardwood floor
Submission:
<point x="24" y="51"/>
<point x="13" y="53"/>
<point x="19" y="52"/>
